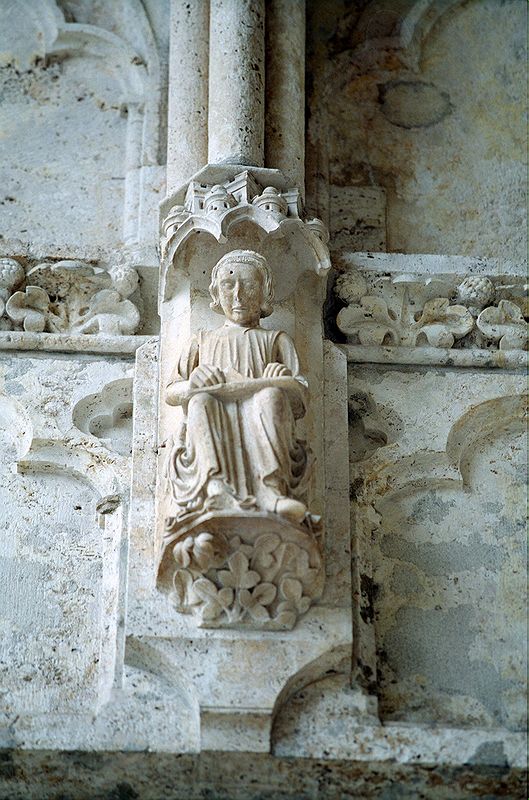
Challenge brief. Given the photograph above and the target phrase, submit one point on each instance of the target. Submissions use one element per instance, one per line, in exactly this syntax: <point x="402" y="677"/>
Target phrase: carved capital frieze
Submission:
<point x="446" y="311"/>
<point x="68" y="297"/>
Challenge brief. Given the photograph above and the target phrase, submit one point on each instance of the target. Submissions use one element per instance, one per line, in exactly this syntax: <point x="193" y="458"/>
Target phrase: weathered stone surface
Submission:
<point x="447" y="483"/>
<point x="406" y="677"/>
<point x="427" y="102"/>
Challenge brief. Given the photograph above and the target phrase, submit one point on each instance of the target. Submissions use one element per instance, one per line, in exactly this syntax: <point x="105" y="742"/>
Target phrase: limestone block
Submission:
<point x="63" y="507"/>
<point x="443" y="496"/>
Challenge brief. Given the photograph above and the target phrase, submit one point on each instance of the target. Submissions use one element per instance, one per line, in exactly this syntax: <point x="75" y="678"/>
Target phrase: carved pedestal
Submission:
<point x="251" y="570"/>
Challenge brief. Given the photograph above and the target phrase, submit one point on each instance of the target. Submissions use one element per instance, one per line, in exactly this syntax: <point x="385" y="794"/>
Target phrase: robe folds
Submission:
<point x="249" y="444"/>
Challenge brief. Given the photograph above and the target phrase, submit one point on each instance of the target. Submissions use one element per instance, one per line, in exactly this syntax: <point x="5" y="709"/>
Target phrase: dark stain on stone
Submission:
<point x="123" y="791"/>
<point x="431" y="508"/>
<point x="436" y="645"/>
<point x="7" y="765"/>
<point x="413" y="104"/>
<point x="490" y="753"/>
<point x="332" y="306"/>
<point x="444" y="558"/>
<point x="355" y="487"/>
<point x="369" y="592"/>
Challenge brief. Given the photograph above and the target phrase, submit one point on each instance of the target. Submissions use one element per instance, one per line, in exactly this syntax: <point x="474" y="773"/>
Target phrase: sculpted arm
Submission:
<point x="286" y="360"/>
<point x="190" y="376"/>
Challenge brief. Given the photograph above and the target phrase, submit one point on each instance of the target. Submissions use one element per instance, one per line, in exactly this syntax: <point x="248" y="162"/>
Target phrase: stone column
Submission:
<point x="236" y="82"/>
<point x="187" y="133"/>
<point x="285" y="89"/>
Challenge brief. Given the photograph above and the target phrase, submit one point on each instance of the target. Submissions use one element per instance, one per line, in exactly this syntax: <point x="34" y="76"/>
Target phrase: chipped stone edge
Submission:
<point x="437" y="356"/>
<point x="67" y="343"/>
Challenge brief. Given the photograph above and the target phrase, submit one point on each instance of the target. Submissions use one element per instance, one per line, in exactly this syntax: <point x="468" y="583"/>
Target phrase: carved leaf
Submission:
<point x="237" y="545"/>
<point x="239" y="576"/>
<point x="264" y="594"/>
<point x="108" y="313"/>
<point x="225" y="597"/>
<point x="210" y="611"/>
<point x="214" y="601"/>
<point x="286" y="615"/>
<point x="506" y="324"/>
<point x="303" y="569"/>
<point x="181" y="552"/>
<point x="204" y="551"/>
<point x="442" y="323"/>
<point x="291" y="590"/>
<point x="370" y="320"/>
<point x="29" y="308"/>
<point x="205" y="589"/>
<point x="263" y="549"/>
<point x="182" y="583"/>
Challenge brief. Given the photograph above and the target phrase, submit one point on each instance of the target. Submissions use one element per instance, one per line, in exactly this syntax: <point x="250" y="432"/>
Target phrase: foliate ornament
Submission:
<point x="64" y="296"/>
<point x="108" y="313"/>
<point x="124" y="280"/>
<point x="11" y="273"/>
<point x="350" y="286"/>
<point x="476" y="291"/>
<point x="506" y="324"/>
<point x="30" y="309"/>
<point x="261" y="581"/>
<point x="439" y="324"/>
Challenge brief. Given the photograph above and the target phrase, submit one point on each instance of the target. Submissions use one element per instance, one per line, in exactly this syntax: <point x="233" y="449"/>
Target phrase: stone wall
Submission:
<point x="408" y="677"/>
<point x="429" y="111"/>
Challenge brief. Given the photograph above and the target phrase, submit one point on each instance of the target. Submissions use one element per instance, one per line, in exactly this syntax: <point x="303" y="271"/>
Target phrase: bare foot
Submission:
<point x="291" y="509"/>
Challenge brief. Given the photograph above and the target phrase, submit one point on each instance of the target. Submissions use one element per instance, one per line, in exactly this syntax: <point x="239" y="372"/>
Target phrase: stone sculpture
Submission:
<point x="237" y="470"/>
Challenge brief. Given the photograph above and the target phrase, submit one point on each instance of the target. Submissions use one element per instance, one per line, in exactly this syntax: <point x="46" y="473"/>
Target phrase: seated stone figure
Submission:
<point x="241" y="392"/>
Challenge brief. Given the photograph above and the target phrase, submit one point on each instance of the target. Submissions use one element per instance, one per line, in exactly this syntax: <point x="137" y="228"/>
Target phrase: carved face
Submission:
<point x="240" y="288"/>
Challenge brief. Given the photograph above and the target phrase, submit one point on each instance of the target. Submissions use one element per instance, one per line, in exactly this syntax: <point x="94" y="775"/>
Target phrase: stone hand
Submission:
<point x="206" y="376"/>
<point x="276" y="370"/>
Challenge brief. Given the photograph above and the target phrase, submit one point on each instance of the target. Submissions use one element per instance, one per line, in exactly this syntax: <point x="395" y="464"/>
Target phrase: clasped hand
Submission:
<point x="206" y="375"/>
<point x="276" y="370"/>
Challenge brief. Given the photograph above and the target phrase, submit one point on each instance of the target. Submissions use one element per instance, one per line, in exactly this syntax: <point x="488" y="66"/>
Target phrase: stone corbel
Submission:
<point x="252" y="568"/>
<point x="235" y="580"/>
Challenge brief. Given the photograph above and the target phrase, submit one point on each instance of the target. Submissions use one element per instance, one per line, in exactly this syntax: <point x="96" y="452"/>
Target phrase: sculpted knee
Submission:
<point x="271" y="398"/>
<point x="199" y="403"/>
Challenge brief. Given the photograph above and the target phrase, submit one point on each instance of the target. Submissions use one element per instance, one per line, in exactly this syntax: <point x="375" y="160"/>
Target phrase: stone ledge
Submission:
<point x="437" y="356"/>
<point x="48" y="775"/>
<point x="76" y="343"/>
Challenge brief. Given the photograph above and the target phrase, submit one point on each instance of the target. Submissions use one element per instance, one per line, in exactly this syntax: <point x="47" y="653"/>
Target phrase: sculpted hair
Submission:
<point x="253" y="259"/>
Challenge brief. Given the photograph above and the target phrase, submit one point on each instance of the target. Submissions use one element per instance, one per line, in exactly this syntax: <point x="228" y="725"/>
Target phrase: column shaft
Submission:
<point x="187" y="132"/>
<point x="236" y="82"/>
<point x="285" y="89"/>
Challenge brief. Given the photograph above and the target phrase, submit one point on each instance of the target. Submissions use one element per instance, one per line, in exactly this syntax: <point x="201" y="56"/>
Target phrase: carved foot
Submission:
<point x="290" y="509"/>
<point x="221" y="496"/>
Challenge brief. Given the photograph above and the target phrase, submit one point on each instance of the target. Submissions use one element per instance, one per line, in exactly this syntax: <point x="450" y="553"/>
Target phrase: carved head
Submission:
<point x="242" y="287"/>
